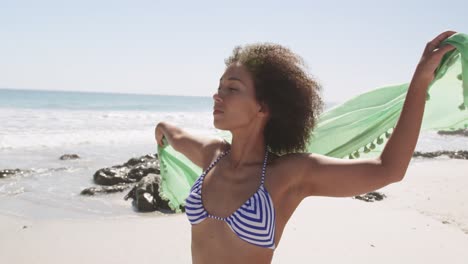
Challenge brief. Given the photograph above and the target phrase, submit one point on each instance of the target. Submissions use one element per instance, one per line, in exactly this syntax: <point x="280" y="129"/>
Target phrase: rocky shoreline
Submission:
<point x="142" y="176"/>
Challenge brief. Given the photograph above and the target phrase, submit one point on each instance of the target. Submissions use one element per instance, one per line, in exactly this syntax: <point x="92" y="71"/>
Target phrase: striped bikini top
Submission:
<point x="253" y="222"/>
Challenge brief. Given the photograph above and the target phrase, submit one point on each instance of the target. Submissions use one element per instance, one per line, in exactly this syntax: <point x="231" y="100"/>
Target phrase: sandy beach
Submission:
<point x="91" y="91"/>
<point x="424" y="219"/>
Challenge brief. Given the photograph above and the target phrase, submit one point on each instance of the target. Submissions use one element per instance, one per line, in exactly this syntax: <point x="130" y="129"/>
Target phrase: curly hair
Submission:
<point x="282" y="83"/>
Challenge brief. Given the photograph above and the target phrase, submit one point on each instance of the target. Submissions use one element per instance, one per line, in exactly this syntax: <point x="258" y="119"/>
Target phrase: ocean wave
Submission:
<point x="22" y="128"/>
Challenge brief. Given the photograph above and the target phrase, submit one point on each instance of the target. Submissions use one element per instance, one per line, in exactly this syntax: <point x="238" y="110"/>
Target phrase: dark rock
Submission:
<point x="69" y="157"/>
<point x="139" y="171"/>
<point x="105" y="189"/>
<point x="371" y="197"/>
<point x="11" y="172"/>
<point x="145" y="194"/>
<point x="130" y="172"/>
<point x="457" y="154"/>
<point x="459" y="132"/>
<point x="112" y="176"/>
<point x="144" y="171"/>
<point x="140" y="160"/>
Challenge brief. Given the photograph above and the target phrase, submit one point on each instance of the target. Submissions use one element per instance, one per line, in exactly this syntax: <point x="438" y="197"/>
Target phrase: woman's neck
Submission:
<point x="246" y="149"/>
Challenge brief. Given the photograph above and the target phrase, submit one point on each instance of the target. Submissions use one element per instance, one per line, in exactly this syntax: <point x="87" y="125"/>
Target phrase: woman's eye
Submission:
<point x="229" y="88"/>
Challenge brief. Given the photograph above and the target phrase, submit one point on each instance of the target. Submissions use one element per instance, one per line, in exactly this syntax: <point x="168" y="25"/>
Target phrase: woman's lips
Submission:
<point x="217" y="112"/>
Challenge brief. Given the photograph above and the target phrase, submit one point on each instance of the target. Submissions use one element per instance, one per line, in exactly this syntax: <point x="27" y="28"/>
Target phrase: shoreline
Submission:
<point x="405" y="227"/>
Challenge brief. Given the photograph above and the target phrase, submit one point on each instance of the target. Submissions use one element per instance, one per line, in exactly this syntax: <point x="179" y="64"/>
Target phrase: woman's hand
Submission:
<point x="432" y="56"/>
<point x="159" y="135"/>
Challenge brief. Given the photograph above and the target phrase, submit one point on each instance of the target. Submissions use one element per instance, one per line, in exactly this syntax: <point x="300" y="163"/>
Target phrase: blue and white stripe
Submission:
<point x="254" y="222"/>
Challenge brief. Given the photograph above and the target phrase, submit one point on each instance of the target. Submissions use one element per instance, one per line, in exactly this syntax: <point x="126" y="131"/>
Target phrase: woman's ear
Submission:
<point x="263" y="110"/>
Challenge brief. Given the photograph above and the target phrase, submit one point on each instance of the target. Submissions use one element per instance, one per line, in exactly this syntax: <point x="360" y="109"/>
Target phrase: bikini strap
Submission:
<point x="225" y="153"/>
<point x="214" y="162"/>
<point x="264" y="166"/>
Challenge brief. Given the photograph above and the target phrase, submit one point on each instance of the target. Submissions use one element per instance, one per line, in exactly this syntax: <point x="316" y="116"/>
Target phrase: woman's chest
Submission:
<point x="254" y="209"/>
<point x="223" y="191"/>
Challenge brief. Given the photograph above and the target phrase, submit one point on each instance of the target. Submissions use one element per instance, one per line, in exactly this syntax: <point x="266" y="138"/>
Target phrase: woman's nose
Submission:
<point x="217" y="98"/>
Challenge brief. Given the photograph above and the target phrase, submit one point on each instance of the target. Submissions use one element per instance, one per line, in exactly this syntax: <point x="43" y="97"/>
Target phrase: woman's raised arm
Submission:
<point x="399" y="149"/>
<point x="325" y="176"/>
<point x="199" y="149"/>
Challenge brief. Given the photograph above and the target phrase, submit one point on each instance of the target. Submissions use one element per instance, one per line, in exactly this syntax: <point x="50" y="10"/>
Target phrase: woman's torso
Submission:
<point x="213" y="241"/>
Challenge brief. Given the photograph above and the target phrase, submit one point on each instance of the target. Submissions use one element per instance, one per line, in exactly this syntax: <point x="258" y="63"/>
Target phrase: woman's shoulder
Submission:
<point x="213" y="148"/>
<point x="283" y="177"/>
<point x="286" y="169"/>
<point x="293" y="160"/>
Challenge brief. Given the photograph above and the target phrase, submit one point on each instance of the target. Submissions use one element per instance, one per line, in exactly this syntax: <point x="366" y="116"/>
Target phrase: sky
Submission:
<point x="179" y="47"/>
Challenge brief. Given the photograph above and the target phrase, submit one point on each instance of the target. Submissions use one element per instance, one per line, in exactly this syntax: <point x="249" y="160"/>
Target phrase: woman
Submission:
<point x="240" y="205"/>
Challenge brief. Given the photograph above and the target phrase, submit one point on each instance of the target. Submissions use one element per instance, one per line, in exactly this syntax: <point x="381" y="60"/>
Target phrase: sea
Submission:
<point x="104" y="129"/>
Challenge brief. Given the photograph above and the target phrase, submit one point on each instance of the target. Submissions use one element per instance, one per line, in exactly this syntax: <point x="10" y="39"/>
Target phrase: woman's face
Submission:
<point x="235" y="105"/>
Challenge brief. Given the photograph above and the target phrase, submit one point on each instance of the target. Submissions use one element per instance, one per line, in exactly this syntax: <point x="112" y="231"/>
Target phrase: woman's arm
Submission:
<point x="198" y="149"/>
<point x="399" y="149"/>
<point x="325" y="176"/>
<point x="168" y="131"/>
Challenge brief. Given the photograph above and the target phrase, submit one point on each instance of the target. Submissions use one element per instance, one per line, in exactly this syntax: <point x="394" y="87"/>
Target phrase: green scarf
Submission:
<point x="359" y="127"/>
